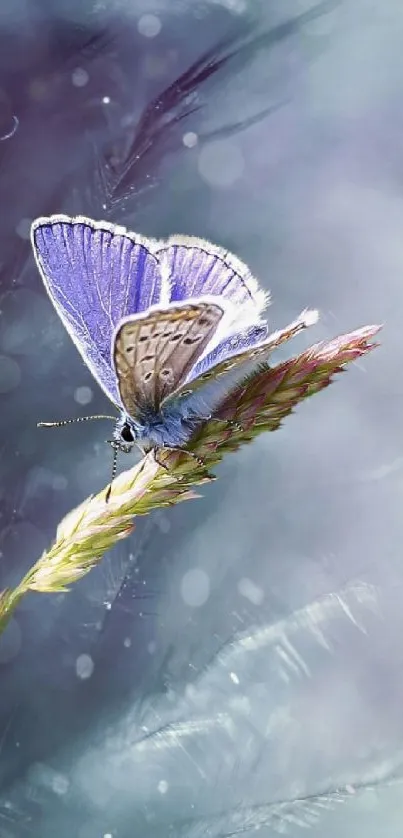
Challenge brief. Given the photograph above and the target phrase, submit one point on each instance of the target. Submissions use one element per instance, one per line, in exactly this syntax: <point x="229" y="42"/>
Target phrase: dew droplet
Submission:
<point x="79" y="77"/>
<point x="221" y="163"/>
<point x="163" y="787"/>
<point x="84" y="666"/>
<point x="149" y="25"/>
<point x="83" y="395"/>
<point x="190" y="139"/>
<point x="195" y="587"/>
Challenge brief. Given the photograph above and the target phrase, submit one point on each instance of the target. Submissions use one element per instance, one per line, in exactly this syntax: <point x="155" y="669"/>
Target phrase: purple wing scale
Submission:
<point x="229" y="347"/>
<point x="95" y="275"/>
<point x="197" y="267"/>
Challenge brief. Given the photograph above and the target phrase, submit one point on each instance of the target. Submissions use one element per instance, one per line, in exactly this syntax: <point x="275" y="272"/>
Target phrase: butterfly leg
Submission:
<point x="199" y="460"/>
<point x="117" y="446"/>
<point x="120" y="446"/>
<point x="230" y="422"/>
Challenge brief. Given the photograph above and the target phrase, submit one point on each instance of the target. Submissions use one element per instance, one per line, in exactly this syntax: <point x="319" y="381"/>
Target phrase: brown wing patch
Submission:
<point x="153" y="354"/>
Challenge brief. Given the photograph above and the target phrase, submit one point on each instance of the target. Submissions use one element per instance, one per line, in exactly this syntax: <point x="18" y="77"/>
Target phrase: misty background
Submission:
<point x="236" y="664"/>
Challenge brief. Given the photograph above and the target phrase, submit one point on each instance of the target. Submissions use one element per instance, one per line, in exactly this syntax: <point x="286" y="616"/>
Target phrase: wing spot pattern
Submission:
<point x="147" y="380"/>
<point x="190" y="341"/>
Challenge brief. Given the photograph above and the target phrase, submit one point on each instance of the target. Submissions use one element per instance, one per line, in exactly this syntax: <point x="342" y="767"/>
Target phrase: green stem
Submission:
<point x="9" y="599"/>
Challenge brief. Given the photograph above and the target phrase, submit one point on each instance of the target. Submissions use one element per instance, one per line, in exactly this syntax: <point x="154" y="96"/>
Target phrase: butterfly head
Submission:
<point x="126" y="433"/>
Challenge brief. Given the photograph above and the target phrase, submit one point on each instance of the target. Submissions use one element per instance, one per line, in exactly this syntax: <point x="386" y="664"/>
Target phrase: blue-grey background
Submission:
<point x="237" y="663"/>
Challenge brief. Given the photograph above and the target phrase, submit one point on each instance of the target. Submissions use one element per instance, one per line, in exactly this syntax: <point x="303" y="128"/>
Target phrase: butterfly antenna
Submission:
<point x="72" y="421"/>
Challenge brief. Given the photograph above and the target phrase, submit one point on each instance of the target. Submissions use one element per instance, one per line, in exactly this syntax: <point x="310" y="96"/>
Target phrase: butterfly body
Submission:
<point x="165" y="327"/>
<point x="170" y="427"/>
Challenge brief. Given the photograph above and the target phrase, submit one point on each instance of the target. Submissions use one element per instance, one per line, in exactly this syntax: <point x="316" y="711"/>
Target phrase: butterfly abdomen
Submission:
<point x="171" y="427"/>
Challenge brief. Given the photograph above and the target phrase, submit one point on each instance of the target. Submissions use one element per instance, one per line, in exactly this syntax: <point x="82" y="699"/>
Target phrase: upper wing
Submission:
<point x="154" y="352"/>
<point x="95" y="274"/>
<point x="196" y="267"/>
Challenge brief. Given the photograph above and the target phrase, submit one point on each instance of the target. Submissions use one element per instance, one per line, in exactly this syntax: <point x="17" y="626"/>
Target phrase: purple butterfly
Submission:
<point x="166" y="327"/>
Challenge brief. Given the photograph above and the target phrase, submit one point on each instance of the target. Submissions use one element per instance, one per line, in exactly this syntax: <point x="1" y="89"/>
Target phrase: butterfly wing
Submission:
<point x="230" y="346"/>
<point x="154" y="352"/>
<point x="96" y="274"/>
<point x="196" y="267"/>
<point x="233" y="368"/>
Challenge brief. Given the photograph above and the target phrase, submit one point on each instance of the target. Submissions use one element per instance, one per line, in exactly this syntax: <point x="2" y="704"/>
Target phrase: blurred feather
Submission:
<point x="207" y="721"/>
<point x="133" y="164"/>
<point x="280" y="817"/>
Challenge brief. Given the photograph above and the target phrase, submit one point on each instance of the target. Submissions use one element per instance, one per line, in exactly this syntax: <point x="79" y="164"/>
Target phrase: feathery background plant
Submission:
<point x="258" y="404"/>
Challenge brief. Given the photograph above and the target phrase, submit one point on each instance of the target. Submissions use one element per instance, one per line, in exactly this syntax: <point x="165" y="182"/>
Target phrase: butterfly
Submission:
<point x="165" y="327"/>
